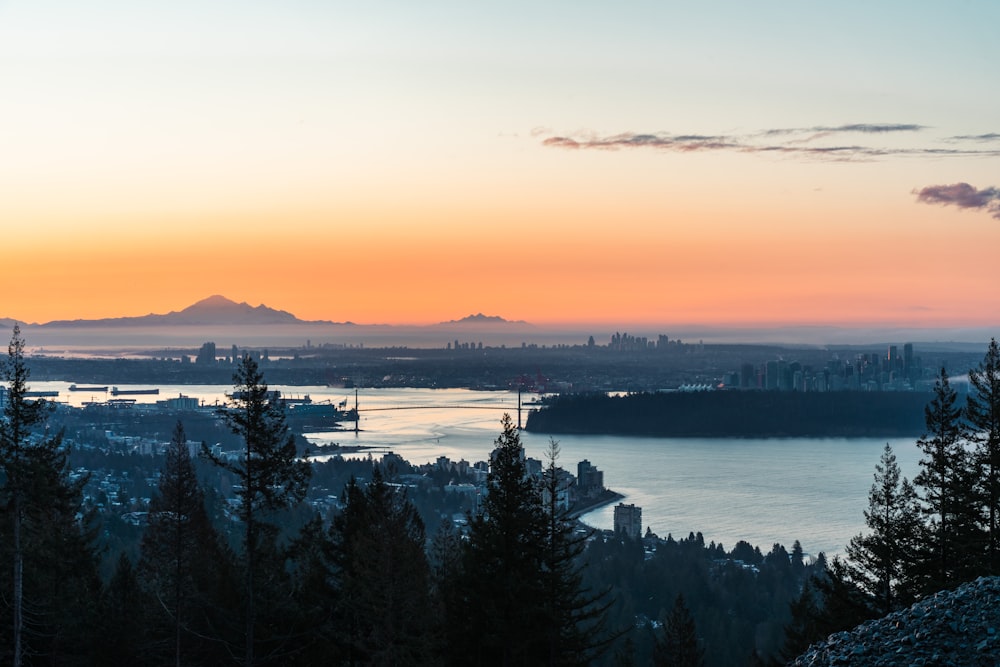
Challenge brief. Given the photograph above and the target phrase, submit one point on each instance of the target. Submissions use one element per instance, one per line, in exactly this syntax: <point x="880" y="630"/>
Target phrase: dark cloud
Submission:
<point x="826" y="130"/>
<point x="989" y="136"/>
<point x="962" y="195"/>
<point x="802" y="142"/>
<point x="875" y="128"/>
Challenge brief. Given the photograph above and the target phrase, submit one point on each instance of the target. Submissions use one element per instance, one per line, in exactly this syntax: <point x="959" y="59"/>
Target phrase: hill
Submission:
<point x="955" y="628"/>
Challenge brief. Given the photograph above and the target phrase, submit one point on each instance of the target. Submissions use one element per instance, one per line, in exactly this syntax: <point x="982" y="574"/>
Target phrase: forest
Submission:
<point x="739" y="414"/>
<point x="232" y="567"/>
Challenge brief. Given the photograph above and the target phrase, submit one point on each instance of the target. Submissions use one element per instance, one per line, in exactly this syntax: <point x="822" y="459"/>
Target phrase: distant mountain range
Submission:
<point x="479" y="319"/>
<point x="217" y="311"/>
<point x="214" y="311"/>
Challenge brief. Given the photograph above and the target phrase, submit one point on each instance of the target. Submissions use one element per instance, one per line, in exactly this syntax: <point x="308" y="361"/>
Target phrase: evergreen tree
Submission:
<point x="20" y="416"/>
<point x="576" y="617"/>
<point x="500" y="616"/>
<point x="55" y="585"/>
<point x="678" y="645"/>
<point x="804" y="628"/>
<point x="312" y="561"/>
<point x="840" y="603"/>
<point x="983" y="413"/>
<point x="123" y="619"/>
<point x="383" y="580"/>
<point x="181" y="554"/>
<point x="270" y="477"/>
<point x="879" y="561"/>
<point x="945" y="554"/>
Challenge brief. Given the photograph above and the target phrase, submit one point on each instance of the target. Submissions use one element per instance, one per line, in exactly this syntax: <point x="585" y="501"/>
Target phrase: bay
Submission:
<point x="764" y="491"/>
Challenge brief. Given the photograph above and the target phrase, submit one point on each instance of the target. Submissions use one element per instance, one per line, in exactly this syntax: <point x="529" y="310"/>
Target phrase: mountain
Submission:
<point x="480" y="319"/>
<point x="214" y="311"/>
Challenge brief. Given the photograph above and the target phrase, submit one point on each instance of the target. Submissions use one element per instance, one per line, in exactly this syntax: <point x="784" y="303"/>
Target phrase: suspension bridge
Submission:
<point x="507" y="407"/>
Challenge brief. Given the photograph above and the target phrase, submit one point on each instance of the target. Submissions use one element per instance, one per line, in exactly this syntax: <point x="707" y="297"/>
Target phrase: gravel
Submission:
<point x="957" y="628"/>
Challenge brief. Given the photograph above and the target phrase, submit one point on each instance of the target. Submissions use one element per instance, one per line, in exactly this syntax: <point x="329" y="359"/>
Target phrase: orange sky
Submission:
<point x="393" y="170"/>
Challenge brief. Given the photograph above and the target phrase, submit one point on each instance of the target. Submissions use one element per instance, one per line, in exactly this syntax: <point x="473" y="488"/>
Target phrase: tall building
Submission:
<point x="628" y="520"/>
<point x="771" y="375"/>
<point x="589" y="480"/>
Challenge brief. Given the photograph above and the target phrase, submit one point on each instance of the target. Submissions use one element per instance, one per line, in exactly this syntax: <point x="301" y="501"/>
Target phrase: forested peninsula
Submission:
<point x="744" y="414"/>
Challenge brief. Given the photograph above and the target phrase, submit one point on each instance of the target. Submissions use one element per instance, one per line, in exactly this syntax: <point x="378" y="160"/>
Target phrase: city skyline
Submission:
<point x="646" y="164"/>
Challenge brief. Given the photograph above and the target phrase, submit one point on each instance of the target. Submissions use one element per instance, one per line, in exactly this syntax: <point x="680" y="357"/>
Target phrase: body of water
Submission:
<point x="760" y="490"/>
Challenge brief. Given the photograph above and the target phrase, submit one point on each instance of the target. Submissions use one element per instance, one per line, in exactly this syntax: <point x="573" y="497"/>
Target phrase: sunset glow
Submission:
<point x="410" y="163"/>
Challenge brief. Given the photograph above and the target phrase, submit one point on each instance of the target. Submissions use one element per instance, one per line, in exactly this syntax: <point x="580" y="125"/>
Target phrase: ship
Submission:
<point x="74" y="387"/>
<point x="115" y="391"/>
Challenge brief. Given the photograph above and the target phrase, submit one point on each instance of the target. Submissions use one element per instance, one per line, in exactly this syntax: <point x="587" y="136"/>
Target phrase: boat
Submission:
<point x="74" y="387"/>
<point x="41" y="394"/>
<point x="296" y="400"/>
<point x="115" y="391"/>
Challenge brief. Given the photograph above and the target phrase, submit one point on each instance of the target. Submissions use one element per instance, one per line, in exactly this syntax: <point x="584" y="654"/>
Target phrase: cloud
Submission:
<point x="989" y="136"/>
<point x="800" y="141"/>
<point x="962" y="195"/>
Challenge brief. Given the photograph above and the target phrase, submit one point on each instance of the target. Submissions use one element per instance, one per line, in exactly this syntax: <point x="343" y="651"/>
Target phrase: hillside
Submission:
<point x="959" y="628"/>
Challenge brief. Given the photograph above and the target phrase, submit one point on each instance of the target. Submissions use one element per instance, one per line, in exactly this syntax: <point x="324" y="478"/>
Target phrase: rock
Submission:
<point x="956" y="628"/>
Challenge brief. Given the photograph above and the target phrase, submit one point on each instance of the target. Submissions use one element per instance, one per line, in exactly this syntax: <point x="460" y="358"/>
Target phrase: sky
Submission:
<point x="634" y="163"/>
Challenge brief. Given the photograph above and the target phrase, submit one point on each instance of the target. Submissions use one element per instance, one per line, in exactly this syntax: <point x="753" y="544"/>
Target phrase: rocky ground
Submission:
<point x="958" y="628"/>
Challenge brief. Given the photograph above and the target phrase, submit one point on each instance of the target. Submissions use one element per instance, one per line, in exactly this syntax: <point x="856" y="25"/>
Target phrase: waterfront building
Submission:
<point x="589" y="480"/>
<point x="628" y="520"/>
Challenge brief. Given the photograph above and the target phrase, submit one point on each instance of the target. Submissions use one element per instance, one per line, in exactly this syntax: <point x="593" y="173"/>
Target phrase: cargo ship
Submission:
<point x="74" y="387"/>
<point x="115" y="391"/>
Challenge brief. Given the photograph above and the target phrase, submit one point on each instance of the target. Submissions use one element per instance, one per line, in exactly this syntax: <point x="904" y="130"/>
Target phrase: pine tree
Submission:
<point x="576" y="617"/>
<point x="678" y="645"/>
<point x="269" y="473"/>
<point x="382" y="576"/>
<point x="181" y="554"/>
<point x="500" y="616"/>
<point x="880" y="560"/>
<point x="55" y="583"/>
<point x="122" y="621"/>
<point x="983" y="413"/>
<point x="312" y="560"/>
<point x="945" y="554"/>
<point x="839" y="603"/>
<point x="20" y="416"/>
<point x="804" y="628"/>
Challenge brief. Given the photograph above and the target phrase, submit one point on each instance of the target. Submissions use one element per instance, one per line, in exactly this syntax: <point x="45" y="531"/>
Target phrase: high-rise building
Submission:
<point x="771" y="375"/>
<point x="628" y="520"/>
<point x="588" y="478"/>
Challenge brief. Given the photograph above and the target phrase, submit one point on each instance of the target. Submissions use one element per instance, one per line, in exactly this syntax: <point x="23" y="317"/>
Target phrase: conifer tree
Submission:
<point x="678" y="645"/>
<point x="804" y="628"/>
<point x="983" y="414"/>
<point x="123" y="622"/>
<point x="576" y="617"/>
<point x="181" y="554"/>
<point x="21" y="415"/>
<point x="55" y="584"/>
<point x="500" y="617"/>
<point x="880" y="561"/>
<point x="383" y="579"/>
<point x="269" y="473"/>
<point x="946" y="553"/>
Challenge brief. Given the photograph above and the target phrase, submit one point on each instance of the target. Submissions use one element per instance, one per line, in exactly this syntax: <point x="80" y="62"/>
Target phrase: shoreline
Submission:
<point x="606" y="498"/>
